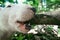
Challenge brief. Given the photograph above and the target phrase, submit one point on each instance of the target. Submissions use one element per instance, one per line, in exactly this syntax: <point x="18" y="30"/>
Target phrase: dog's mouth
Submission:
<point x="24" y="27"/>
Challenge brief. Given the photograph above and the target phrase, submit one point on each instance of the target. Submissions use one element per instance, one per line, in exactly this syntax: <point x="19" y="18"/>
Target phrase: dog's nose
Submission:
<point x="33" y="9"/>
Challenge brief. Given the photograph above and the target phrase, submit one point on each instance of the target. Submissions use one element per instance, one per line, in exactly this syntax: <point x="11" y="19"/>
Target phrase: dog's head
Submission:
<point x="20" y="14"/>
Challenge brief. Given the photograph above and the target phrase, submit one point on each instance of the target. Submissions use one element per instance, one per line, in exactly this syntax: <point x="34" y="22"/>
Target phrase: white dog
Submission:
<point x="9" y="17"/>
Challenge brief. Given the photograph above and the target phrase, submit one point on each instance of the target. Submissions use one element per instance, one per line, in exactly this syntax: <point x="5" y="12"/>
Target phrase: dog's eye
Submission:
<point x="8" y="6"/>
<point x="18" y="21"/>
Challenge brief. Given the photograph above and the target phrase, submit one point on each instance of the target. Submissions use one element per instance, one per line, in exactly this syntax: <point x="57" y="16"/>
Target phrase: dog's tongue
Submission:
<point x="22" y="27"/>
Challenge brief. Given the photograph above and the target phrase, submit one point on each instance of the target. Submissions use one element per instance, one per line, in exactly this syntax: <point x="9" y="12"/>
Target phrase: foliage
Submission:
<point x="34" y="3"/>
<point x="2" y="2"/>
<point x="21" y="36"/>
<point x="47" y="5"/>
<point x="47" y="35"/>
<point x="40" y="5"/>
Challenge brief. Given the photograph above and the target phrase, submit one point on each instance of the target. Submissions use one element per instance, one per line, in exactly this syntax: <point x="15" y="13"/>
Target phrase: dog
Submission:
<point x="12" y="19"/>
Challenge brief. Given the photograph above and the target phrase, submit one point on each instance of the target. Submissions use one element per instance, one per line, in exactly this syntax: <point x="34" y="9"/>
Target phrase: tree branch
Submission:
<point x="44" y="19"/>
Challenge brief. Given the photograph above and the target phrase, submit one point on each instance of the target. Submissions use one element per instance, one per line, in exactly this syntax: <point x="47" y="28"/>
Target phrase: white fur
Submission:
<point x="9" y="16"/>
